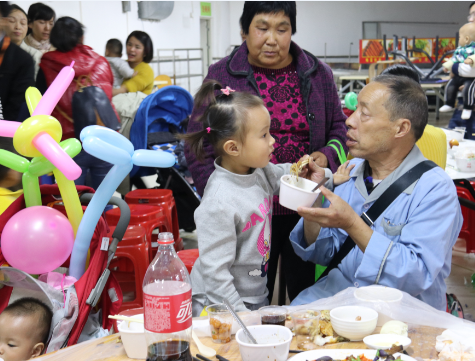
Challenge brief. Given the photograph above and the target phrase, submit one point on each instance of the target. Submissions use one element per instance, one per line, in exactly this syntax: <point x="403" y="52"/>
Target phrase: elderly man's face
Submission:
<point x="371" y="134"/>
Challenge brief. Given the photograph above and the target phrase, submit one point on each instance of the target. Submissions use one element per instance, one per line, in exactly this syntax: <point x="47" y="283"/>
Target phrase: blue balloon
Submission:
<point x="110" y="146"/>
<point x="109" y="136"/>
<point x="152" y="158"/>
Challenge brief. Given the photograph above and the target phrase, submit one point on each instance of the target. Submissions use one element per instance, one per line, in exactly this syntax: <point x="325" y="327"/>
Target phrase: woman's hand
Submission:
<point x="121" y="90"/>
<point x="343" y="173"/>
<point x="320" y="159"/>
<point x="312" y="171"/>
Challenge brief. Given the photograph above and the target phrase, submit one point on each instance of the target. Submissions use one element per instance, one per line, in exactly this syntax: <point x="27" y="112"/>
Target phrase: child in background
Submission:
<point x="24" y="329"/>
<point x="120" y="68"/>
<point x="9" y="178"/>
<point x="233" y="221"/>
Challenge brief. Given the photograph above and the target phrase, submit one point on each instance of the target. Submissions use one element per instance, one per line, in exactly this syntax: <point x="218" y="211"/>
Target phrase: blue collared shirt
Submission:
<point x="411" y="246"/>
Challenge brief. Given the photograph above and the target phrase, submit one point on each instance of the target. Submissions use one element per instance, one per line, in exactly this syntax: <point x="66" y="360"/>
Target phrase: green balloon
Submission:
<point x="31" y="190"/>
<point x="14" y="161"/>
<point x="351" y="100"/>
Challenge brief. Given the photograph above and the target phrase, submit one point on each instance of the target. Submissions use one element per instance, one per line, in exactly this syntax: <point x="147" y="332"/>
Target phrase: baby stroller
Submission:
<point x="97" y="290"/>
<point x="160" y="116"/>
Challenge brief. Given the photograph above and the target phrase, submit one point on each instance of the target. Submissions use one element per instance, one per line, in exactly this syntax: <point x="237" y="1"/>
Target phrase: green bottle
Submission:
<point x="473" y="280"/>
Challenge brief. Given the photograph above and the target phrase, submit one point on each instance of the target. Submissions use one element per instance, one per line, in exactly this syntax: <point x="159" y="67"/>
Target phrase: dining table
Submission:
<point x="110" y="348"/>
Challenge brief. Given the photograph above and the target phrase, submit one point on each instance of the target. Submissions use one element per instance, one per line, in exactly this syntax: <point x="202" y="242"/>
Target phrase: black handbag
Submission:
<point x="91" y="106"/>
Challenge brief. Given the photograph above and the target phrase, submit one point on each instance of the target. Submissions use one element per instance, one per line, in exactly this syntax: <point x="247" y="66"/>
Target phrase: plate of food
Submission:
<point x="350" y="355"/>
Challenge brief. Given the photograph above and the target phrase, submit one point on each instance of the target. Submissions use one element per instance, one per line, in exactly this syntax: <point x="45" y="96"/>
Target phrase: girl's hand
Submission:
<point x="312" y="171"/>
<point x="342" y="175"/>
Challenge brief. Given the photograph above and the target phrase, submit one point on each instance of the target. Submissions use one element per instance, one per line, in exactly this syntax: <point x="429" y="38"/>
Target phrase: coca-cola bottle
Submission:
<point x="167" y="305"/>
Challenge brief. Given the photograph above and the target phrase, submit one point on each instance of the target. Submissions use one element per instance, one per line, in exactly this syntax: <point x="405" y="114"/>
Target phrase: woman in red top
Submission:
<point x="67" y="37"/>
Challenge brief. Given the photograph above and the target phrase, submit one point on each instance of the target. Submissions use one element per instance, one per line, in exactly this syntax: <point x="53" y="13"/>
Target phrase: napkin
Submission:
<point x="456" y="345"/>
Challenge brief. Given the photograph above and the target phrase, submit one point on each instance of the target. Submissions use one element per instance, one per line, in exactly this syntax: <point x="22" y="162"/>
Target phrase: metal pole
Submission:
<point x="349" y="56"/>
<point x="325" y="52"/>
<point x="188" y="62"/>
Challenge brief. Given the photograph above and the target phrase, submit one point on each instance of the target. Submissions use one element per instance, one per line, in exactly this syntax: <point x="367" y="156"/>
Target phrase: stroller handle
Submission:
<point x="124" y="219"/>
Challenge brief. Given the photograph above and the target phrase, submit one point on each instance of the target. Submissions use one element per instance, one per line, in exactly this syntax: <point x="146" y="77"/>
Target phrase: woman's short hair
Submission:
<point x="146" y="41"/>
<point x="40" y="11"/>
<point x="14" y="7"/>
<point x="252" y="8"/>
<point x="66" y="34"/>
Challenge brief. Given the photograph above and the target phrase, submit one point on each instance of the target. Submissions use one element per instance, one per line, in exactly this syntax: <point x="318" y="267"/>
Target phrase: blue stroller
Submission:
<point x="160" y="116"/>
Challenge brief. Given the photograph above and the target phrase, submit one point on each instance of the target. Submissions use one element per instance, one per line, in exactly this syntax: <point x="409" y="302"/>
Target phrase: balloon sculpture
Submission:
<point x="39" y="239"/>
<point x="351" y="100"/>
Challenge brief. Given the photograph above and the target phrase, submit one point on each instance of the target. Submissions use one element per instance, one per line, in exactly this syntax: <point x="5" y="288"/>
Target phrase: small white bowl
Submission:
<point x="384" y="342"/>
<point x="273" y="343"/>
<point x="133" y="338"/>
<point x="294" y="194"/>
<point x="343" y="320"/>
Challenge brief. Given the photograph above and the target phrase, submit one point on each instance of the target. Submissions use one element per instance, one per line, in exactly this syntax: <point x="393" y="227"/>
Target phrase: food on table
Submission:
<point x="273" y="320"/>
<point x="373" y="48"/>
<point x="358" y="318"/>
<point x="220" y="331"/>
<point x="454" y="143"/>
<point x="395" y="327"/>
<point x="381" y="355"/>
<point x="295" y="168"/>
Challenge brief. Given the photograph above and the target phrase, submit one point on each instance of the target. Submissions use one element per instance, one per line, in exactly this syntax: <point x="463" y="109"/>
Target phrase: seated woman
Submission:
<point x="139" y="53"/>
<point x="68" y="37"/>
<point x="16" y="29"/>
<point x="40" y="22"/>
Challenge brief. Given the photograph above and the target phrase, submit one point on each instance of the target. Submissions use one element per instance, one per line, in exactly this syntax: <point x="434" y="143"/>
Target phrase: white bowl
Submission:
<point x="465" y="165"/>
<point x="133" y="338"/>
<point x="294" y="194"/>
<point x="273" y="343"/>
<point x="384" y="342"/>
<point x="343" y="320"/>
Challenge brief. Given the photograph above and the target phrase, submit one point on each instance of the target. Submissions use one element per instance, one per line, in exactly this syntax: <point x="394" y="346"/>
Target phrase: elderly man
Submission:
<point x="408" y="246"/>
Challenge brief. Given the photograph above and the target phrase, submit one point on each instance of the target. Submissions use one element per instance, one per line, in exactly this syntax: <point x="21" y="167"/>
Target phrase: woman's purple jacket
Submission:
<point x="324" y="112"/>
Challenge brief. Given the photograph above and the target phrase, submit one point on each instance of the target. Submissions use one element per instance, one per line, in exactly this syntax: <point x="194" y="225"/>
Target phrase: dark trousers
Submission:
<point x="298" y="274"/>
<point x="97" y="168"/>
<point x="468" y="91"/>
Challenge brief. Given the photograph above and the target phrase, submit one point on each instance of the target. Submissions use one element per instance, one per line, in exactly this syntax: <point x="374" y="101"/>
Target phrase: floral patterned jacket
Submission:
<point x="324" y="112"/>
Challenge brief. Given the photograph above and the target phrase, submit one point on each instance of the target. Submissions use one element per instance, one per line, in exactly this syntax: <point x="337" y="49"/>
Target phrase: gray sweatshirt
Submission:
<point x="233" y="225"/>
<point x="120" y="70"/>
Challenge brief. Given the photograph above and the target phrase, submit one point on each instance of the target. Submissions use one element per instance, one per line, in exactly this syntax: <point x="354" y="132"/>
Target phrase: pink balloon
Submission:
<point x="8" y="128"/>
<point x="56" y="155"/>
<point x="37" y="240"/>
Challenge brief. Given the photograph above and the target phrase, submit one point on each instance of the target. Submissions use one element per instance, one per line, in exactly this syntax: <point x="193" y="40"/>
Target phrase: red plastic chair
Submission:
<point x="130" y="264"/>
<point x="189" y="258"/>
<point x="468" y="227"/>
<point x="148" y="216"/>
<point x="163" y="198"/>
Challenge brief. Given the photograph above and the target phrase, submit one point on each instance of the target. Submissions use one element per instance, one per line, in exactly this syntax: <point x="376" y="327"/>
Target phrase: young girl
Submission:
<point x="233" y="221"/>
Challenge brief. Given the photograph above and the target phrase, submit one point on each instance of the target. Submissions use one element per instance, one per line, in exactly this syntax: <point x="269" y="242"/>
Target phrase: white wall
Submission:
<point x="338" y="23"/>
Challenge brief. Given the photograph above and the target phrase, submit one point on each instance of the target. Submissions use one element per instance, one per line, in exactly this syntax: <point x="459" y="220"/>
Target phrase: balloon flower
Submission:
<point x="112" y="147"/>
<point x="39" y="239"/>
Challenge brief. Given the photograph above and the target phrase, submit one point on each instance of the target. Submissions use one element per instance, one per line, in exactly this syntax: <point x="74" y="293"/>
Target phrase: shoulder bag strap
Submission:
<point x="380" y="205"/>
<point x="339" y="152"/>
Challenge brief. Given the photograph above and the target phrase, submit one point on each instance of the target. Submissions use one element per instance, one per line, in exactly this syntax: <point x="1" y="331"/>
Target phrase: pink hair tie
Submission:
<point x="208" y="129"/>
<point x="227" y="90"/>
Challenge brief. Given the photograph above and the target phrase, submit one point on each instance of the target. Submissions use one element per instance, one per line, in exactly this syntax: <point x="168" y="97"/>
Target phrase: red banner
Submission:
<point x="372" y="51"/>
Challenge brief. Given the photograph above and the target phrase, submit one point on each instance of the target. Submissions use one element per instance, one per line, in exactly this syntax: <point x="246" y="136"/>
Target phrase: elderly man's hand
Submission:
<point x="338" y="215"/>
<point x="320" y="159"/>
<point x="312" y="171"/>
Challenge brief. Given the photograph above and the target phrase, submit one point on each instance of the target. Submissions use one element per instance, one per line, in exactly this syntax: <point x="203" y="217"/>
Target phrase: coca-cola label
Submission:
<point x="167" y="314"/>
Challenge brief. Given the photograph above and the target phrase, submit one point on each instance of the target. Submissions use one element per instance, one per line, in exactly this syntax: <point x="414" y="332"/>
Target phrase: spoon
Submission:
<point x="204" y="350"/>
<point x="239" y="321"/>
<point x="322" y="182"/>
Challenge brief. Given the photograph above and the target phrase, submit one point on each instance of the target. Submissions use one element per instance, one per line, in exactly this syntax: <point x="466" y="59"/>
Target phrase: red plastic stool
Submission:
<point x="149" y="217"/>
<point x="129" y="265"/>
<point x="468" y="226"/>
<point x="189" y="258"/>
<point x="163" y="198"/>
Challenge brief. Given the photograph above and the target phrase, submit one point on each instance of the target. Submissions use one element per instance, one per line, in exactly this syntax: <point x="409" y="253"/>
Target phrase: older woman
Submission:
<point x="301" y="97"/>
<point x="139" y="49"/>
<point x="40" y="22"/>
<point x="16" y="29"/>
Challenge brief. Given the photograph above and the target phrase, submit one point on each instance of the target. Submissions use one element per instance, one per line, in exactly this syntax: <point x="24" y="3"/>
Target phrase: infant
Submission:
<point x="120" y="68"/>
<point x="465" y="53"/>
<point x="24" y="329"/>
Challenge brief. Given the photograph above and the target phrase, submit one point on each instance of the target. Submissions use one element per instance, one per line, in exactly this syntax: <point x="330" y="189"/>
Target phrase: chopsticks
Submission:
<point x="295" y="351"/>
<point x="200" y="357"/>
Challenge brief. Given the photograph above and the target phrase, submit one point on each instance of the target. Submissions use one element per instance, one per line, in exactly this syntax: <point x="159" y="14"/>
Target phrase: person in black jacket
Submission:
<point x="17" y="71"/>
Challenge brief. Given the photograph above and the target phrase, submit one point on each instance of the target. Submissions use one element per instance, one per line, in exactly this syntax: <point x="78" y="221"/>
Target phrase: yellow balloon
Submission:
<point x="70" y="198"/>
<point x="30" y="128"/>
<point x="33" y="97"/>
